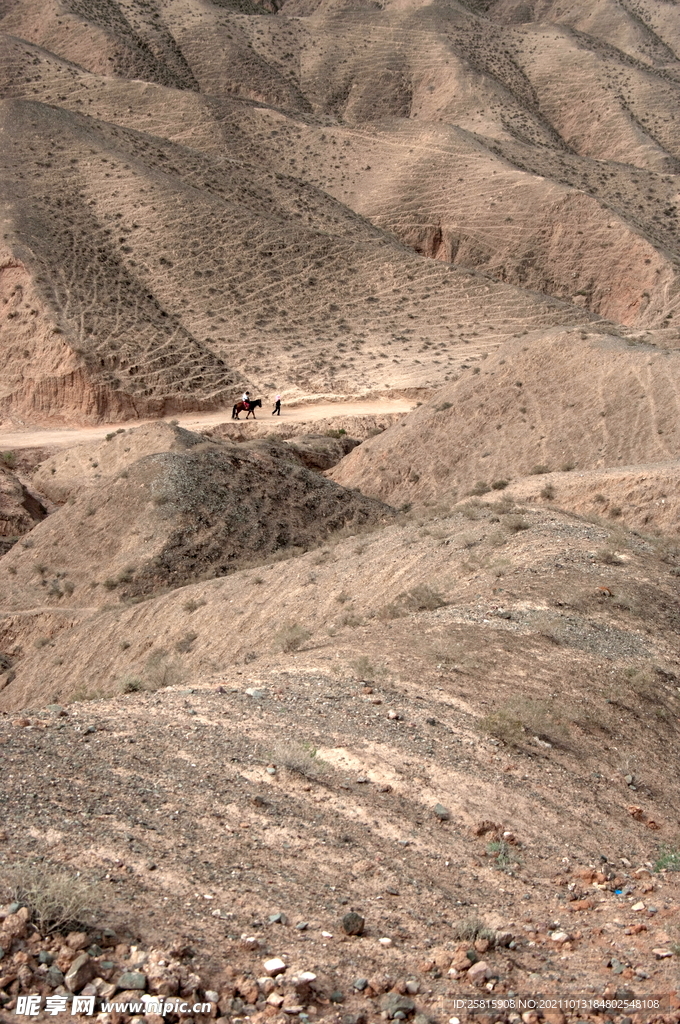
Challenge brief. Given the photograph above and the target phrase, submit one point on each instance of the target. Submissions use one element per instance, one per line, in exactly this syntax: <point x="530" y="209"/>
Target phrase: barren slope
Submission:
<point x="550" y="402"/>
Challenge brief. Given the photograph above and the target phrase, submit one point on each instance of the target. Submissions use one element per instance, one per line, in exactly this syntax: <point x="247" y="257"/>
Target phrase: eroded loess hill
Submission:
<point x="201" y="196"/>
<point x="160" y="506"/>
<point x="552" y="402"/>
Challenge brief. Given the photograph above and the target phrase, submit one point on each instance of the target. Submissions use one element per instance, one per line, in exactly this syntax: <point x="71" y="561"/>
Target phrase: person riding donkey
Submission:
<point x="245" y="398"/>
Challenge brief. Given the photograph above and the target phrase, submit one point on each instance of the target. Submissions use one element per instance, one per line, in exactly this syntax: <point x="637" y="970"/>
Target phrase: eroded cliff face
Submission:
<point x="59" y="365"/>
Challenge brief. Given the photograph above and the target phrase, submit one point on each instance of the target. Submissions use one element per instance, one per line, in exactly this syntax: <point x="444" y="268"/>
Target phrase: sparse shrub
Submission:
<point x="363" y="669"/>
<point x="615" y="511"/>
<point x="481" y="487"/>
<point x="343" y="597"/>
<point x="42" y="641"/>
<point x="350" y="619"/>
<point x="540" y="469"/>
<point x="299" y="758"/>
<point x="131" y="684"/>
<point x="110" y="437"/>
<point x="503" y="725"/>
<point x="609" y="557"/>
<point x="390" y="611"/>
<point x="516" y="524"/>
<point x="110" y="584"/>
<point x="337" y="433"/>
<point x="567" y="467"/>
<point x="504" y="854"/>
<point x="499" y="485"/>
<point x="668" y="859"/>
<point x="422" y="599"/>
<point x="69" y="586"/>
<point x="191" y="605"/>
<point x="599" y="498"/>
<point x="184" y="645"/>
<point x="548" y="492"/>
<point x="159" y="672"/>
<point x="443" y="406"/>
<point x="9" y="459"/>
<point x="291" y="637"/>
<point x="59" y="900"/>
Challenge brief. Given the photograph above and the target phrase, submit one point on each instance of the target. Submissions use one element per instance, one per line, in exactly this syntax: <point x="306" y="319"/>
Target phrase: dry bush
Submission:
<point x="159" y="672"/>
<point x="609" y="557"/>
<point x="58" y="899"/>
<point x="299" y="758"/>
<point x="291" y="637"/>
<point x="516" y="524"/>
<point x="503" y="725"/>
<point x="540" y="469"/>
<point x="363" y="668"/>
<point x="421" y="599"/>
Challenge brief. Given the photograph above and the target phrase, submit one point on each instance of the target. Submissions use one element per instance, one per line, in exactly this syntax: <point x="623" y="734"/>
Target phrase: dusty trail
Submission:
<point x="37" y="438"/>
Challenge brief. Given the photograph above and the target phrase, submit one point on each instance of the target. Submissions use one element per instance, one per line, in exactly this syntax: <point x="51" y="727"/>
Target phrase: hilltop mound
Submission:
<point x="558" y="401"/>
<point x="185" y="510"/>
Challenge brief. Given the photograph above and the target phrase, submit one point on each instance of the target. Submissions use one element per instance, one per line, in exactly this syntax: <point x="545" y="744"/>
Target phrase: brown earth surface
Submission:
<point x="410" y="650"/>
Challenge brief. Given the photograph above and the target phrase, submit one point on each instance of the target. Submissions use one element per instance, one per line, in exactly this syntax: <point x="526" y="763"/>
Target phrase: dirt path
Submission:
<point x="37" y="438"/>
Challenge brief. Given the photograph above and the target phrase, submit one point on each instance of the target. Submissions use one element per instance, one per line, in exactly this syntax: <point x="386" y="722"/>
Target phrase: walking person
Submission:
<point x="277" y="406"/>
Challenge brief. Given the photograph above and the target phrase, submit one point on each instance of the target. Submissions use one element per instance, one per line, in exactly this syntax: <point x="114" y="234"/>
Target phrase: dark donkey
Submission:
<point x="251" y="407"/>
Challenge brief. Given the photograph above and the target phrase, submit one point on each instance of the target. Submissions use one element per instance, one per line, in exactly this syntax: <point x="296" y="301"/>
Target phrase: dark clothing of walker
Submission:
<point x="277" y="408"/>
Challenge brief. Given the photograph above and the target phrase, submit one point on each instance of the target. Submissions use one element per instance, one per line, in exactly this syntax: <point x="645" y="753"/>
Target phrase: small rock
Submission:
<point x="302" y="926"/>
<point x="45" y="958"/>
<point x="81" y="971"/>
<point x="274" y="999"/>
<point x="353" y="924"/>
<point x="256" y="693"/>
<point x="503" y="938"/>
<point x="77" y="940"/>
<point x="559" y="937"/>
<point x="133" y="980"/>
<point x="478" y="971"/>
<point x="249" y="942"/>
<point x="413" y="987"/>
<point x="637" y="907"/>
<point x="393" y="715"/>
<point x="57" y="709"/>
<point x="95" y="950"/>
<point x="360" y="984"/>
<point x="278" y="919"/>
<point x="441" y="812"/>
<point x="274" y="966"/>
<point x="385" y="941"/>
<point x="337" y="996"/>
<point x="54" y="977"/>
<point x="362" y="780"/>
<point x="394" y="1003"/>
<point x="661" y="954"/>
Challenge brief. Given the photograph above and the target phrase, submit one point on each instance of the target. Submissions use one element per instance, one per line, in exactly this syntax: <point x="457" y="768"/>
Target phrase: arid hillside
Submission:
<point x="203" y="196"/>
<point x="160" y="506"/>
<point x="557" y="402"/>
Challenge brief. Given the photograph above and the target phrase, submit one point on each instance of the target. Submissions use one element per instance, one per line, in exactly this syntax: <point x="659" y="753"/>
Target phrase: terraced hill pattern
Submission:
<point x="201" y="196"/>
<point x="414" y="659"/>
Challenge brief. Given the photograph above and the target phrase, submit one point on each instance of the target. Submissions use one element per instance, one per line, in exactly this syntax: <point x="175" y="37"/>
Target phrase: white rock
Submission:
<point x="385" y="941"/>
<point x="637" y="907"/>
<point x="559" y="936"/>
<point x="274" y="966"/>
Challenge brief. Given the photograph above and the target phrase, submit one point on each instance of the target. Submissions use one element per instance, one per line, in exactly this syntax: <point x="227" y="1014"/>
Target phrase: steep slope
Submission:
<point x="550" y="402"/>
